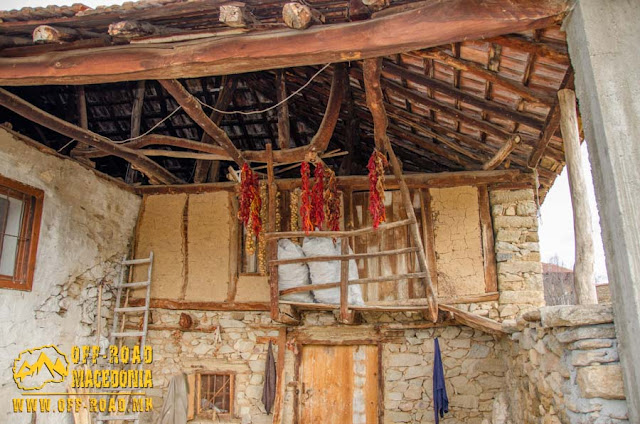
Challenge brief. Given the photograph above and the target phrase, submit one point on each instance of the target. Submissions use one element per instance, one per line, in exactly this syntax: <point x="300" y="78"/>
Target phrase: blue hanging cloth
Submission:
<point x="440" y="399"/>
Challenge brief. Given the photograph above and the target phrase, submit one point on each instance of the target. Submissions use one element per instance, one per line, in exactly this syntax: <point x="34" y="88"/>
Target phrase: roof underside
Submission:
<point x="450" y="108"/>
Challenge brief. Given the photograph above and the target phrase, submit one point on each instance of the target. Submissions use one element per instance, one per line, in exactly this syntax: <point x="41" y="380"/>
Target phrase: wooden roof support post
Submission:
<point x="345" y="316"/>
<point x="223" y="101"/>
<point x="583" y="276"/>
<point x="284" y="130"/>
<point x="155" y="172"/>
<point x="191" y="105"/>
<point x="272" y="244"/>
<point x="373" y="90"/>
<point x="136" y="123"/>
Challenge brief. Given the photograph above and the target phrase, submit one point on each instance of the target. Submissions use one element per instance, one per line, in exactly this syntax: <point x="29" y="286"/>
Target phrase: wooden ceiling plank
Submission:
<point x="145" y="165"/>
<point x="192" y="107"/>
<point x="428" y="26"/>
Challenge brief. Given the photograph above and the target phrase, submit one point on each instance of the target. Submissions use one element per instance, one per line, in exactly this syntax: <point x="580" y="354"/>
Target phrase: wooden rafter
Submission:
<point x="284" y="131"/>
<point x="502" y="153"/>
<point x="372" y="69"/>
<point x="474" y="321"/>
<point x="192" y="107"/>
<point x="432" y="24"/>
<point x="145" y="165"/>
<point x="222" y="103"/>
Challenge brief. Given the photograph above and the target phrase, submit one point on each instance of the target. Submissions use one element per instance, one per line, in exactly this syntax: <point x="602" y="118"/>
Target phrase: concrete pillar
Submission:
<point x="604" y="38"/>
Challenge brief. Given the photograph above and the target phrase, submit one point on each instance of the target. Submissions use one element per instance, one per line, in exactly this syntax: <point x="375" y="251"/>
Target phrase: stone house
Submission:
<point x="460" y="96"/>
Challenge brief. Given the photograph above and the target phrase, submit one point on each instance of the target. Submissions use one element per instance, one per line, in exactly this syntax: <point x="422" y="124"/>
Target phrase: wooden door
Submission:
<point x="339" y="384"/>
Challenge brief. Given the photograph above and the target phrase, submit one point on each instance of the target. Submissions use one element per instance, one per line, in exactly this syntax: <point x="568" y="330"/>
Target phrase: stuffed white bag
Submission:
<point x="329" y="272"/>
<point x="293" y="275"/>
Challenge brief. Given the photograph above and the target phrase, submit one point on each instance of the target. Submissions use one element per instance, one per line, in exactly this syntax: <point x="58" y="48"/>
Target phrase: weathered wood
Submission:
<point x="334" y="234"/>
<point x="352" y="131"/>
<point x="272" y="244"/>
<point x="182" y="155"/>
<point x="237" y="15"/>
<point x="474" y="298"/>
<point x="50" y="34"/>
<point x="235" y="234"/>
<point x="192" y="107"/>
<point x="539" y="49"/>
<point x="344" y="279"/>
<point x="494" y="108"/>
<point x="493" y="77"/>
<point x="361" y="182"/>
<point x="136" y="108"/>
<point x="372" y="68"/>
<point x="376" y="4"/>
<point x="474" y="321"/>
<point x="12" y="41"/>
<point x="284" y="130"/>
<point x="300" y="16"/>
<point x="225" y="96"/>
<point x="488" y="246"/>
<point x="181" y="305"/>
<point x="583" y="275"/>
<point x="502" y="153"/>
<point x="551" y="126"/>
<point x="428" y="26"/>
<point x="370" y="280"/>
<point x="430" y="236"/>
<point x="145" y="165"/>
<point x="83" y="120"/>
<point x="278" y="404"/>
<point x="347" y="256"/>
<point x="133" y="29"/>
<point x="162" y="140"/>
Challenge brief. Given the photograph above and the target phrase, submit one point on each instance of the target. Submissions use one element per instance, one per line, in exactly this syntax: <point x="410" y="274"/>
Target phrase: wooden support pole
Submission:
<point x="488" y="246"/>
<point x="235" y="245"/>
<point x="145" y="165"/>
<point x="344" y="280"/>
<point x="278" y="403"/>
<point x="192" y="107"/>
<point x="272" y="244"/>
<point x="372" y="68"/>
<point x="284" y="131"/>
<point x="583" y="276"/>
<point x="502" y="153"/>
<point x="136" y="123"/>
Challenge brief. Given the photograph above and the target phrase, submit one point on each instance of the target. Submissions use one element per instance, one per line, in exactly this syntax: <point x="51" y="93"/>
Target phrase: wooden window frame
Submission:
<point x="232" y="394"/>
<point x="22" y="279"/>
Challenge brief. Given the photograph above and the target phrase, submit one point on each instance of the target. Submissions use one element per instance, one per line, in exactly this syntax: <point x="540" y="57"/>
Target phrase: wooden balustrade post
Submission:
<point x="344" y="280"/>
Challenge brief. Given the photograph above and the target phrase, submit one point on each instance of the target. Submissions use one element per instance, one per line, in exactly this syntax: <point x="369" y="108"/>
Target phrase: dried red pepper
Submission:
<point x="332" y="202"/>
<point x="317" y="197"/>
<point x="377" y="164"/>
<point x="305" y="198"/>
<point x="250" y="204"/>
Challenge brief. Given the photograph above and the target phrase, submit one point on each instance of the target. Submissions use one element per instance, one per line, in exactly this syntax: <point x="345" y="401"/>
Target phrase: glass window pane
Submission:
<point x="10" y="237"/>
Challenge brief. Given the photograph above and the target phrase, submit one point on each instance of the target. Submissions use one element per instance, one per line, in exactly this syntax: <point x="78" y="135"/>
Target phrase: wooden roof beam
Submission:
<point x="151" y="169"/>
<point x="133" y="29"/>
<point x="493" y="77"/>
<point x="502" y="153"/>
<point x="192" y="107"/>
<point x="539" y="49"/>
<point x="444" y="88"/>
<point x="474" y="321"/>
<point x="300" y="16"/>
<point x="57" y="34"/>
<point x="433" y="24"/>
<point x="237" y="15"/>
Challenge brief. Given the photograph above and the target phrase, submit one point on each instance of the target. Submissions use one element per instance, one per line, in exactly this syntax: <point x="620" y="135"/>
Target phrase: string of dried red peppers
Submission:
<point x="377" y="164"/>
<point x="305" y="198"/>
<point x="317" y="197"/>
<point x="250" y="204"/>
<point x="332" y="202"/>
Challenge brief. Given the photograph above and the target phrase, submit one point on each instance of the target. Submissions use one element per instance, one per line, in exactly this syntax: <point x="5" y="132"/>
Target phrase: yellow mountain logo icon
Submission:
<point x="34" y="368"/>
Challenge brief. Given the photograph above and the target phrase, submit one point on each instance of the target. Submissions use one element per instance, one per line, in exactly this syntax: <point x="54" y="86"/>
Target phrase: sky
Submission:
<point x="556" y="221"/>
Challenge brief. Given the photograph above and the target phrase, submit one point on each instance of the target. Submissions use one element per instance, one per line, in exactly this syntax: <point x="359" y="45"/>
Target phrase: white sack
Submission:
<point x="293" y="275"/>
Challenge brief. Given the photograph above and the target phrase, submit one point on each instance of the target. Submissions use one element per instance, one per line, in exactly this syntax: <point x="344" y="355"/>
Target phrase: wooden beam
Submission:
<point x="444" y="88"/>
<point x="284" y="130"/>
<point x="161" y="140"/>
<point x="474" y="321"/>
<point x="345" y="316"/>
<point x="50" y="34"/>
<point x="300" y="16"/>
<point x="145" y="165"/>
<point x="530" y="46"/>
<point x="433" y="24"/>
<point x="361" y="182"/>
<point x="133" y="29"/>
<point x="192" y="107"/>
<point x="235" y="244"/>
<point x="352" y="127"/>
<point x="429" y="235"/>
<point x="551" y="126"/>
<point x="136" y="123"/>
<point x="502" y="153"/>
<point x="583" y="275"/>
<point x="375" y="101"/>
<point x="180" y="305"/>
<point x="488" y="246"/>
<point x="225" y="96"/>
<point x="493" y="77"/>
<point x="278" y="403"/>
<point x="272" y="244"/>
<point x="236" y="15"/>
<point x="13" y="41"/>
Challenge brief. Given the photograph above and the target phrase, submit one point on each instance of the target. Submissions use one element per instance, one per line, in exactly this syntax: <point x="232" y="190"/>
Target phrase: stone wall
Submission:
<point x="87" y="225"/>
<point x="515" y="227"/>
<point x="563" y="367"/>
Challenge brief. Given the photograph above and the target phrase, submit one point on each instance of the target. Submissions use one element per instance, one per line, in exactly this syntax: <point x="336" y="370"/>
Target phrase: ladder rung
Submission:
<point x="129" y="334"/>
<point x="136" y="284"/>
<point x="131" y="309"/>
<point x="117" y="417"/>
<point x="136" y="261"/>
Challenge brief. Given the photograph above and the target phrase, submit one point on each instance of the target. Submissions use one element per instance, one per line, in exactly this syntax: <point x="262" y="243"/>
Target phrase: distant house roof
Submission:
<point x="549" y="268"/>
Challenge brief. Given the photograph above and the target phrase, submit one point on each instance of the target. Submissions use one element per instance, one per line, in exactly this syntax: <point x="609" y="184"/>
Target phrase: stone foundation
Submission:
<point x="563" y="367"/>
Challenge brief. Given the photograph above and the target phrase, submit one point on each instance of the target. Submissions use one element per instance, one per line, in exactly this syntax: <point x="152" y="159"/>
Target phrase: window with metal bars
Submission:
<point x="20" y="213"/>
<point x="214" y="394"/>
